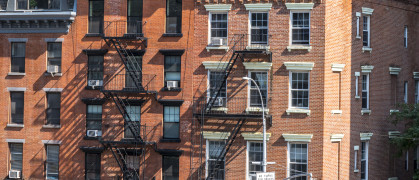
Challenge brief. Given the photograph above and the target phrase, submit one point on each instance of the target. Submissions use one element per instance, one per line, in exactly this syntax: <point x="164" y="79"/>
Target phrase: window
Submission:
<point x="18" y="57"/>
<point x="3" y="5"/>
<point x="134" y="114"/>
<point x="218" y="27"/>
<point x="299" y="89"/>
<point x="259" y="28"/>
<point x="54" y="55"/>
<point x="17" y="107"/>
<point x="171" y="122"/>
<point x="261" y="78"/>
<point x="364" y="160"/>
<point x="366" y="32"/>
<point x="96" y="16"/>
<point x="136" y="65"/>
<point x="215" y="80"/>
<point x="215" y="168"/>
<point x="405" y="36"/>
<point x="95" y="69"/>
<point x="92" y="166"/>
<point x="255" y="153"/>
<point x="417" y="92"/>
<point x="16" y="156"/>
<point x="300" y="28"/>
<point x="134" y="16"/>
<point x="405" y="92"/>
<point x="298" y="159"/>
<point x="133" y="163"/>
<point x="38" y="4"/>
<point x="52" y="162"/>
<point x="170" y="167"/>
<point x="173" y="16"/>
<point x="94" y="117"/>
<point x="171" y="69"/>
<point x="406" y="164"/>
<point x="53" y="108"/>
<point x="365" y="91"/>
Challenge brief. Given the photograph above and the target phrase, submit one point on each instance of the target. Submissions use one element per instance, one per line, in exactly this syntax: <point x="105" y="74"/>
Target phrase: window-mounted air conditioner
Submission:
<point x="172" y="84"/>
<point x="53" y="69"/>
<point x="217" y="41"/>
<point x="94" y="133"/>
<point x="94" y="83"/>
<point x="218" y="102"/>
<point x="13" y="174"/>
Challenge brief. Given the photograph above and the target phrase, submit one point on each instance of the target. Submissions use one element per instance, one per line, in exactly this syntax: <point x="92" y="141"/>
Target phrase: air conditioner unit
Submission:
<point x="218" y="102"/>
<point x="53" y="69"/>
<point x="217" y="41"/>
<point x="94" y="133"/>
<point x="172" y="84"/>
<point x="94" y="83"/>
<point x="13" y="174"/>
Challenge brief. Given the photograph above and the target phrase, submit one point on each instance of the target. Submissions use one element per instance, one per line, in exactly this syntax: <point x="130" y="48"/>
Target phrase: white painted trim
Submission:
<point x="16" y="74"/>
<point x="393" y="178"/>
<point x="358" y="15"/>
<point x="289" y="159"/>
<point x="365" y="136"/>
<point x="292" y="46"/>
<point x="209" y="47"/>
<point x="298" y="47"/>
<point x="299" y="6"/>
<point x="257" y="65"/>
<point x="393" y="134"/>
<point x="15" y="125"/>
<point x="51" y="142"/>
<point x="336" y="111"/>
<point x="298" y="111"/>
<point x="394" y="111"/>
<point x="18" y="40"/>
<point x="218" y="7"/>
<point x="215" y="65"/>
<point x="367" y="68"/>
<point x="16" y="89"/>
<point x="304" y="66"/>
<point x="365" y="111"/>
<point x="210" y="135"/>
<point x="15" y="140"/>
<point x="265" y="47"/>
<point x="394" y="70"/>
<point x="226" y="48"/>
<point x="52" y="89"/>
<point x="357" y="74"/>
<point x="258" y="7"/>
<point x="257" y="136"/>
<point x="356" y="148"/>
<point x="415" y="75"/>
<point x="338" y="67"/>
<point x="298" y="137"/>
<point x="256" y="109"/>
<point x="54" y="39"/>
<point x="368" y="49"/>
<point x="367" y="11"/>
<point x="336" y="137"/>
<point x="51" y="126"/>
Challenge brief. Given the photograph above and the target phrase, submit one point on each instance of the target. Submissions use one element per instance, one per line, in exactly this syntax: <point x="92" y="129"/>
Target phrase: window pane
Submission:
<point x="92" y="166"/>
<point x="170" y="167"/>
<point x="52" y="161"/>
<point x="173" y="16"/>
<point x="16" y="156"/>
<point x="95" y="68"/>
<point x="171" y="130"/>
<point x="53" y="108"/>
<point x="17" y="107"/>
<point x="298" y="160"/>
<point x="300" y="28"/>
<point x="255" y="155"/>
<point x="54" y="50"/>
<point x="96" y="16"/>
<point x="216" y="79"/>
<point x="261" y="78"/>
<point x="259" y="28"/>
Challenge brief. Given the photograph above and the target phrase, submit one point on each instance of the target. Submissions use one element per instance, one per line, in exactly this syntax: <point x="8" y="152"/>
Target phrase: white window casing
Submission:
<point x="220" y="22"/>
<point x="297" y="158"/>
<point x="297" y="137"/>
<point x="365" y="136"/>
<point x="336" y="137"/>
<point x="356" y="149"/>
<point x="222" y="94"/>
<point x="262" y="78"/>
<point x="301" y="44"/>
<point x="302" y="88"/>
<point x="366" y="33"/>
<point x="364" y="159"/>
<point x="357" y="74"/>
<point x="405" y="37"/>
<point x="15" y="140"/>
<point x="258" y="27"/>
<point x="255" y="136"/>
<point x="18" y="39"/>
<point x="254" y="149"/>
<point x="358" y="15"/>
<point x="213" y="149"/>
<point x="365" y="92"/>
<point x="338" y="67"/>
<point x="394" y="70"/>
<point x="367" y="11"/>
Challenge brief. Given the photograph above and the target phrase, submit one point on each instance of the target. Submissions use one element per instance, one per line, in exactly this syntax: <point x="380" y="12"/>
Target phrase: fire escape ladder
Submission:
<point x="226" y="148"/>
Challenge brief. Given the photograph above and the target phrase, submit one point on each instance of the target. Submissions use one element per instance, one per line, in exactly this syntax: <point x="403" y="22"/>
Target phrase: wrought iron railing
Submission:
<point x="123" y="28"/>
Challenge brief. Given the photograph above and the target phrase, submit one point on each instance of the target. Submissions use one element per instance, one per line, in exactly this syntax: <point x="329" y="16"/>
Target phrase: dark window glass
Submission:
<point x="17" y="107"/>
<point x="365" y="32"/>
<point x="298" y="160"/>
<point x="16" y="156"/>
<point x="18" y="57"/>
<point x="364" y="159"/>
<point x="215" y="81"/>
<point x="54" y="55"/>
<point x="259" y="28"/>
<point x="133" y="164"/>
<point x="173" y="16"/>
<point x="255" y="155"/>
<point x="134" y="66"/>
<point x="94" y="117"/>
<point x="171" y="122"/>
<point x="96" y="16"/>
<point x="215" y="166"/>
<point x="3" y="5"/>
<point x="38" y="4"/>
<point x="172" y="68"/>
<point x="299" y="90"/>
<point x="261" y="79"/>
<point x="22" y="4"/>
<point x="365" y="91"/>
<point x="92" y="166"/>
<point x="52" y="162"/>
<point x="301" y="28"/>
<point x="134" y="16"/>
<point x="95" y="68"/>
<point x="53" y="108"/>
<point x="134" y="120"/>
<point x="70" y="4"/>
<point x="170" y="167"/>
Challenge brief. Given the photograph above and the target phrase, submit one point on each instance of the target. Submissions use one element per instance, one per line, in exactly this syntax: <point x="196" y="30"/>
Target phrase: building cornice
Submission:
<point x="299" y="6"/>
<point x="338" y="67"/>
<point x="336" y="137"/>
<point x="214" y="65"/>
<point x="306" y="66"/>
<point x="298" y="137"/>
<point x="255" y="136"/>
<point x="394" y="70"/>
<point x="218" y="7"/>
<point x="367" y="11"/>
<point x="365" y="136"/>
<point x="257" y="65"/>
<point x="258" y="7"/>
<point x="216" y="135"/>
<point x="367" y="68"/>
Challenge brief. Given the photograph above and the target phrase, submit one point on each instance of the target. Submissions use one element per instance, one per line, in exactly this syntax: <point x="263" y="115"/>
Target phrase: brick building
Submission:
<point x="143" y="89"/>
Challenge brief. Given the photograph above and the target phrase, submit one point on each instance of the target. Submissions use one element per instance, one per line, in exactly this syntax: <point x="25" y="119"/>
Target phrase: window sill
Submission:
<point x="356" y="170"/>
<point x="357" y="97"/>
<point x="258" y="47"/>
<point x="53" y="74"/>
<point x="336" y="111"/>
<point x="298" y="47"/>
<point x="366" y="49"/>
<point x="394" y="111"/>
<point x="256" y="109"/>
<point x="93" y="35"/>
<point x="15" y="125"/>
<point x="226" y="48"/>
<point x="93" y="88"/>
<point x="172" y="35"/>
<point x="220" y="109"/>
<point x="51" y="126"/>
<point x="365" y="111"/>
<point x="358" y="37"/>
<point x="16" y="74"/>
<point x="163" y="140"/>
<point x="172" y="89"/>
<point x="298" y="111"/>
<point x="91" y="138"/>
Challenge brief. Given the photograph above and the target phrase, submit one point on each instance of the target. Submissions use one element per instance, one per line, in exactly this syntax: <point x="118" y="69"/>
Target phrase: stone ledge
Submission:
<point x="226" y="48"/>
<point x="298" y="111"/>
<point x="296" y="47"/>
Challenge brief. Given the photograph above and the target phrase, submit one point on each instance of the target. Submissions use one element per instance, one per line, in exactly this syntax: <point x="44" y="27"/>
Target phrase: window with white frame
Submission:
<point x="365" y="91"/>
<point x="254" y="153"/>
<point x="16" y="156"/>
<point x="300" y="28"/>
<point x="417" y="92"/>
<point x="134" y="114"/>
<point x="218" y="29"/>
<point x="261" y="79"/>
<point x="405" y="92"/>
<point x="52" y="161"/>
<point x="364" y="160"/>
<point x="215" y="80"/>
<point x="215" y="167"/>
<point x="366" y="31"/>
<point x="259" y="28"/>
<point x="299" y="89"/>
<point x="298" y="160"/>
<point x="405" y="36"/>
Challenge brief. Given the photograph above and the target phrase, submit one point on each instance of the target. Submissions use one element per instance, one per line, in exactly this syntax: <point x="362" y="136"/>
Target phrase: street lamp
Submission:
<point x="264" y="163"/>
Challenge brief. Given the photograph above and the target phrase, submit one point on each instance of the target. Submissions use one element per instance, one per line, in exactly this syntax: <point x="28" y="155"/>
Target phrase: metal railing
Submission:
<point x="124" y="82"/>
<point x="232" y="106"/>
<point x="122" y="28"/>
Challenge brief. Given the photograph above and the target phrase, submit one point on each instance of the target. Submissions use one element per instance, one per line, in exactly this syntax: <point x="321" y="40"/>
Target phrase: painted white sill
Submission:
<point x="298" y="111"/>
<point x="357" y="97"/>
<point x="258" y="47"/>
<point x="51" y="126"/>
<point x="256" y="109"/>
<point x="220" y="109"/>
<point x="356" y="170"/>
<point x="54" y="75"/>
<point x="217" y="48"/>
<point x="336" y="111"/>
<point x="16" y="74"/>
<point x="15" y="125"/>
<point x="358" y="37"/>
<point x="365" y="111"/>
<point x="393" y="111"/>
<point x="366" y="49"/>
<point x="298" y="47"/>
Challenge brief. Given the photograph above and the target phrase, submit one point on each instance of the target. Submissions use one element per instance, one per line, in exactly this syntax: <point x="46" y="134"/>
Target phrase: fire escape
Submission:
<point x="128" y="87"/>
<point x="232" y="109"/>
